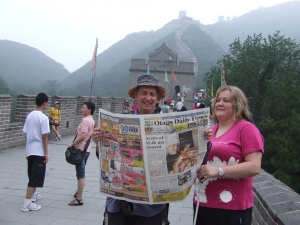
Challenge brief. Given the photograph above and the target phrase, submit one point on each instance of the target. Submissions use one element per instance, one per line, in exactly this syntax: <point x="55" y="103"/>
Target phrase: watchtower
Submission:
<point x="162" y="60"/>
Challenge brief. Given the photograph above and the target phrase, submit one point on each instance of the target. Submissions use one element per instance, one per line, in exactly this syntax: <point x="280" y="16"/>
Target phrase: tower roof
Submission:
<point x="163" y="48"/>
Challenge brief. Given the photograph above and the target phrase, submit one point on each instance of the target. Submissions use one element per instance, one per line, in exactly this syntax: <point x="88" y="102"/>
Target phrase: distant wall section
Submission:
<point x="11" y="134"/>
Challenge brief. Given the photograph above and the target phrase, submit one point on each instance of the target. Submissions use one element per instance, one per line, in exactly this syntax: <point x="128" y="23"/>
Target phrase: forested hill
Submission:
<point x="24" y="67"/>
<point x="283" y="17"/>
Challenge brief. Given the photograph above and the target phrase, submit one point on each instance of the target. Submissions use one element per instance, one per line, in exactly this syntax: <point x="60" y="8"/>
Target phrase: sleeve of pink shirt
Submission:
<point x="251" y="139"/>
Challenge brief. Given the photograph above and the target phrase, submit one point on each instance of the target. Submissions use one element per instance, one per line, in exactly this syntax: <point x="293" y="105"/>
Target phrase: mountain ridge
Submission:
<point x="116" y="59"/>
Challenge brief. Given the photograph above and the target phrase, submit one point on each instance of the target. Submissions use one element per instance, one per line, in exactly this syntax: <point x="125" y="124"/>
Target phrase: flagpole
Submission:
<point x="91" y="89"/>
<point x="93" y="67"/>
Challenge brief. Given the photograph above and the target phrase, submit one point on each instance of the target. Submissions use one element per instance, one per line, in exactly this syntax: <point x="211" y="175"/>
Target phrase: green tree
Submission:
<point x="51" y="87"/>
<point x="267" y="70"/>
<point x="4" y="89"/>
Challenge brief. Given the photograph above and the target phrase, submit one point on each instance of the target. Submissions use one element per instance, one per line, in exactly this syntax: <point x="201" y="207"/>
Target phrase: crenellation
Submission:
<point x="11" y="134"/>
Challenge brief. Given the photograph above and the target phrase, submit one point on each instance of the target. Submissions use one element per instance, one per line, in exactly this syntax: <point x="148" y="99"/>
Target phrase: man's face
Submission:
<point x="146" y="98"/>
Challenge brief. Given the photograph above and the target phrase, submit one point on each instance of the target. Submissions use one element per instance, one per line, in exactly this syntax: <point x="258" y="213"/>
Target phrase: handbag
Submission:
<point x="125" y="111"/>
<point x="56" y="122"/>
<point x="75" y="156"/>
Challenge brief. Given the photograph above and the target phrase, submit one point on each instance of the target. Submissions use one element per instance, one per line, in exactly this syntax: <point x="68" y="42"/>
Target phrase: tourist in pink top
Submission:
<point x="235" y="157"/>
<point x="195" y="106"/>
<point x="84" y="132"/>
<point x="134" y="106"/>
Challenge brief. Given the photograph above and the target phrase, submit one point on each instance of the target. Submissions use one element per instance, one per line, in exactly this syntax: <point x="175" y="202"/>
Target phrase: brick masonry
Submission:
<point x="11" y="134"/>
<point x="274" y="203"/>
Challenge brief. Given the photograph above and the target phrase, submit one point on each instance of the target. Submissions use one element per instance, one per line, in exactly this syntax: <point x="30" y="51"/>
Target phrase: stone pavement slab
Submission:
<point x="60" y="184"/>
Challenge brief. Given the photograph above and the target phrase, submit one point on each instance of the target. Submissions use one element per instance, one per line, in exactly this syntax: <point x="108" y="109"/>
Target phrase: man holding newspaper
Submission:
<point x="147" y="93"/>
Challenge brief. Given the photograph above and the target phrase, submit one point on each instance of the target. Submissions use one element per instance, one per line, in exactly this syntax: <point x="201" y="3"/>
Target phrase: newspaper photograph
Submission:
<point x="151" y="159"/>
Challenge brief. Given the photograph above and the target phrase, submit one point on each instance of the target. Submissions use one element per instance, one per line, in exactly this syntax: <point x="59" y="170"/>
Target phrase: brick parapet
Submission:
<point x="274" y="203"/>
<point x="5" y="109"/>
<point x="11" y="134"/>
<point x="25" y="104"/>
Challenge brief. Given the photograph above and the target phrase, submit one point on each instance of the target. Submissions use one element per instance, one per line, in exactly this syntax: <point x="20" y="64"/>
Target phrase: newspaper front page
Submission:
<point x="151" y="159"/>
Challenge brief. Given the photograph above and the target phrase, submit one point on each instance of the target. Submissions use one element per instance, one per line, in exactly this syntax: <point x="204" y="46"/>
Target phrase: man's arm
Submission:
<point x="45" y="146"/>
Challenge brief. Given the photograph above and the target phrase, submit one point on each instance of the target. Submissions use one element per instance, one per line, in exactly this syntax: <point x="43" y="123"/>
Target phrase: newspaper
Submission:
<point x="151" y="159"/>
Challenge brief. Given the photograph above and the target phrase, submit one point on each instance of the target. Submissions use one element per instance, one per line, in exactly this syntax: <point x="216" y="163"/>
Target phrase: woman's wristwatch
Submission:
<point x="221" y="172"/>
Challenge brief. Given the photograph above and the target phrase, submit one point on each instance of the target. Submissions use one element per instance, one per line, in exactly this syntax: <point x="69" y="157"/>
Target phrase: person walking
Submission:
<point x="55" y="119"/>
<point x="195" y="106"/>
<point x="84" y="132"/>
<point x="147" y="93"/>
<point x="201" y="106"/>
<point x="133" y="107"/>
<point x="169" y="100"/>
<point x="36" y="129"/>
<point x="235" y="157"/>
<point x="179" y="105"/>
<point x="125" y="107"/>
<point x="165" y="108"/>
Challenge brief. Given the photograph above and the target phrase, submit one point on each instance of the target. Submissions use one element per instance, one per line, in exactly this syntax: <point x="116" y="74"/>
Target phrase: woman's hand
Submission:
<point x="207" y="171"/>
<point x="207" y="133"/>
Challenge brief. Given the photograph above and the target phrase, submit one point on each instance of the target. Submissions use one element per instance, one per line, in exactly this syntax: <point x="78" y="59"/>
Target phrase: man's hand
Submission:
<point x="98" y="135"/>
<point x="46" y="158"/>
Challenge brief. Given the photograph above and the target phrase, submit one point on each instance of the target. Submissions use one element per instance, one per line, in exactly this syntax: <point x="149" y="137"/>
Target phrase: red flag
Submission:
<point x="223" y="75"/>
<point x="93" y="64"/>
<point x="173" y="76"/>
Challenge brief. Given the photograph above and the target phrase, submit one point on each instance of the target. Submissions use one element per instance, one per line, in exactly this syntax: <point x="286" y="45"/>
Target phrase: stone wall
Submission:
<point x="274" y="202"/>
<point x="11" y="134"/>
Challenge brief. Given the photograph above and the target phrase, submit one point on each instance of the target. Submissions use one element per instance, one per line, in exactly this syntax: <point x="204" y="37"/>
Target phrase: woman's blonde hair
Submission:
<point x="239" y="101"/>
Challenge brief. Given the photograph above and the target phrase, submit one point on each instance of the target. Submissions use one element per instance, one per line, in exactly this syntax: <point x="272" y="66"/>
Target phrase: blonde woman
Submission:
<point x="235" y="157"/>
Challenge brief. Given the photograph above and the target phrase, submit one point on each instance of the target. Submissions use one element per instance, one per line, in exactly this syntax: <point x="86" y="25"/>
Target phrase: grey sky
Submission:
<point x="66" y="30"/>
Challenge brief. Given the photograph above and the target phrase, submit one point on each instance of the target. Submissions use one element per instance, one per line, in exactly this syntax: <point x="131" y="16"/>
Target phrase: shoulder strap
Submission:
<point x="87" y="144"/>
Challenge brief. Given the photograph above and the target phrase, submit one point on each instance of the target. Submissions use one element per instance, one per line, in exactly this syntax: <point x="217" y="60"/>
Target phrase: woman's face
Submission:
<point x="224" y="107"/>
<point x="56" y="106"/>
<point x="172" y="149"/>
<point x="85" y="111"/>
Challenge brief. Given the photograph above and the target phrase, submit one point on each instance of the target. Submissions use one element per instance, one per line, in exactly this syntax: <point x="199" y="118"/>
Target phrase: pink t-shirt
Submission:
<point x="134" y="107"/>
<point x="86" y="126"/>
<point x="229" y="149"/>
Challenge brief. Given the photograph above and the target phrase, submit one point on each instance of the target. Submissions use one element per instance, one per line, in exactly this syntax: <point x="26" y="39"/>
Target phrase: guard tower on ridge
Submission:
<point x="162" y="60"/>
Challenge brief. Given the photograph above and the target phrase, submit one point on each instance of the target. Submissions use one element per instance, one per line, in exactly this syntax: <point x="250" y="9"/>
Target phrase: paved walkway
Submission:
<point x="59" y="186"/>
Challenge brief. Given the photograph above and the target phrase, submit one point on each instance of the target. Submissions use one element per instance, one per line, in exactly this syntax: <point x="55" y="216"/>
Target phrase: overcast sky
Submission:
<point x="66" y="30"/>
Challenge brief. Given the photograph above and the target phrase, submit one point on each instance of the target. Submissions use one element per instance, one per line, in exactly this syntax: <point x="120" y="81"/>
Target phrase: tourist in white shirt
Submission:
<point x="179" y="105"/>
